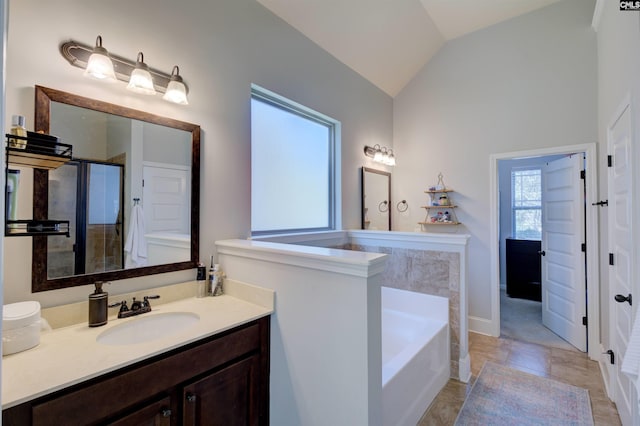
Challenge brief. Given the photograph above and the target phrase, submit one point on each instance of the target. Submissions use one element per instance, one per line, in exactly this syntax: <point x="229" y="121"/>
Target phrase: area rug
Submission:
<point x="504" y="396"/>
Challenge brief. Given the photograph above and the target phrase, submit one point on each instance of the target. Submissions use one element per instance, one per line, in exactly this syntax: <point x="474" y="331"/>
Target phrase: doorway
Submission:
<point x="521" y="256"/>
<point x="591" y="228"/>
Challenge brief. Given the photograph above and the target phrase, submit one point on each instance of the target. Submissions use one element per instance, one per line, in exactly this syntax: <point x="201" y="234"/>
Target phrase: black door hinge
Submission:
<point x="583" y="247"/>
<point x="583" y="174"/>
<point x="584" y="321"/>
<point x="611" y="259"/>
<point x="609" y="160"/>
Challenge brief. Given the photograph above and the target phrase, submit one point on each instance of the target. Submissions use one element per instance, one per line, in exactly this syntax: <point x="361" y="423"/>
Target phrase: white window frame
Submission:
<point x="334" y="167"/>
<point x="514" y="209"/>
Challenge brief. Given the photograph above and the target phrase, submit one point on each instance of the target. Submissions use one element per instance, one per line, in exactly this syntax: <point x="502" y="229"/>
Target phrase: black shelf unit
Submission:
<point x="38" y="151"/>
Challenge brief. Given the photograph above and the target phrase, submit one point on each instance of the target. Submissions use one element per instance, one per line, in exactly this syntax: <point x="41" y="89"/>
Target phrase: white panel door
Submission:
<point x="563" y="261"/>
<point x="621" y="247"/>
<point x="166" y="200"/>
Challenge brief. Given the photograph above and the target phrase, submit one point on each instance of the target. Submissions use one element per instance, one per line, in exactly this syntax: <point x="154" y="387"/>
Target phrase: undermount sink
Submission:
<point x="147" y="327"/>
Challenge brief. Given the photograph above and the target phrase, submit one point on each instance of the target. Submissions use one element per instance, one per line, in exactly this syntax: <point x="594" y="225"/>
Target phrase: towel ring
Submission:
<point x="404" y="205"/>
<point x="383" y="207"/>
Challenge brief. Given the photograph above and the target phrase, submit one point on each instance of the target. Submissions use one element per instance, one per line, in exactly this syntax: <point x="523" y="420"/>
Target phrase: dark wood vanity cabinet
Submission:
<point x="221" y="380"/>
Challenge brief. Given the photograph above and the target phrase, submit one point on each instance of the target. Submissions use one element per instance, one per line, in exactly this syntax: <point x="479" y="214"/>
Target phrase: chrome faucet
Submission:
<point x="137" y="307"/>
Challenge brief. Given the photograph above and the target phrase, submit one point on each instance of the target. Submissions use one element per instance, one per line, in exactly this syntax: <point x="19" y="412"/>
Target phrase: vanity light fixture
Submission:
<point x="99" y="65"/>
<point x="140" y="77"/>
<point x="140" y="80"/>
<point x="176" y="90"/>
<point x="382" y="155"/>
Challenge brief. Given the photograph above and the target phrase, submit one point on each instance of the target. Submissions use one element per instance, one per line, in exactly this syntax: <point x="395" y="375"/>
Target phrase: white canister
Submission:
<point x="20" y="327"/>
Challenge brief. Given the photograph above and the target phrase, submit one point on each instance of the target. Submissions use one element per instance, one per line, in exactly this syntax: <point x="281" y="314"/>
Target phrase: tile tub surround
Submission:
<point x="424" y="262"/>
<point x="70" y="355"/>
<point x="428" y="272"/>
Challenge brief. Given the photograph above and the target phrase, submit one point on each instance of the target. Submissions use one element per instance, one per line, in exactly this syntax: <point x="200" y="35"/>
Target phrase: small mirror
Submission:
<point x="131" y="193"/>
<point x="376" y="199"/>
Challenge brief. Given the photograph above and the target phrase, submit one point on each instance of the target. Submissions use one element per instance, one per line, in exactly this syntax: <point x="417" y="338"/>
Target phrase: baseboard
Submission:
<point x="464" y="369"/>
<point x="481" y="325"/>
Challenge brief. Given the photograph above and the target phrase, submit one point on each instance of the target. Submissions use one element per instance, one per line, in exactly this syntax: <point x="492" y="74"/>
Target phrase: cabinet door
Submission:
<point x="228" y="397"/>
<point x="155" y="414"/>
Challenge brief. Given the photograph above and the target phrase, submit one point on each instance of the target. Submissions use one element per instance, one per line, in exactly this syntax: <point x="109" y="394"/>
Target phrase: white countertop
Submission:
<point x="70" y="355"/>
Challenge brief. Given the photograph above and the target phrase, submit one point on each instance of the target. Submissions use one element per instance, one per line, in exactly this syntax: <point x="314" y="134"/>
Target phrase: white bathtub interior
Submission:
<point x="415" y="353"/>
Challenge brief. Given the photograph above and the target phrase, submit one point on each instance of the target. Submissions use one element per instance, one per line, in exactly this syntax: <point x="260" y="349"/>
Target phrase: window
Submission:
<point x="294" y="164"/>
<point x="526" y="207"/>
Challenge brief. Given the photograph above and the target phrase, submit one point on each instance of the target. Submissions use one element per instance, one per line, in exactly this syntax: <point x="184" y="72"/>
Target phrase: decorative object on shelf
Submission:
<point x="382" y="155"/>
<point x="18" y="128"/>
<point x="402" y="206"/>
<point x="440" y="209"/>
<point x="99" y="64"/>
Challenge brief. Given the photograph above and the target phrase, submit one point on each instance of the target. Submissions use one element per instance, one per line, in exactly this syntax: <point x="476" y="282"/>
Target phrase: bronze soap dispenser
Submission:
<point x="98" y="306"/>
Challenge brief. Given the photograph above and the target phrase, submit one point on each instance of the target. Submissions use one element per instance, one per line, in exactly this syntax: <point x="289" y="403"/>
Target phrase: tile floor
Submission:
<point x="567" y="366"/>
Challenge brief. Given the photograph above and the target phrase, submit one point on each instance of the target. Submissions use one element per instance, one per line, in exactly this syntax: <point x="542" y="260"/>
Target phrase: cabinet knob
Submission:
<point x="166" y="412"/>
<point x="191" y="397"/>
<point x="542" y="253"/>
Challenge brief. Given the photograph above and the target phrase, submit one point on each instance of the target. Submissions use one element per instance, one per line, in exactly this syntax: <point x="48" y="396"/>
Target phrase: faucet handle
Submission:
<point x="122" y="304"/>
<point x="145" y="302"/>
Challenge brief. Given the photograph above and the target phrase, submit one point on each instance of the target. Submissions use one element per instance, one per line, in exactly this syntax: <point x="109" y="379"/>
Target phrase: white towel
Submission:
<point x="136" y="245"/>
<point x="631" y="362"/>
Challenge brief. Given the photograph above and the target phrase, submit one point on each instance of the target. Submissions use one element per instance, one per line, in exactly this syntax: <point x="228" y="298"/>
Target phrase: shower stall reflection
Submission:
<point x="90" y="195"/>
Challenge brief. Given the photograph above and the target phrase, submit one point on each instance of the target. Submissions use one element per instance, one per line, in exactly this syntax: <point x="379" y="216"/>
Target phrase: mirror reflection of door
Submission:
<point x="90" y="194"/>
<point x="376" y="199"/>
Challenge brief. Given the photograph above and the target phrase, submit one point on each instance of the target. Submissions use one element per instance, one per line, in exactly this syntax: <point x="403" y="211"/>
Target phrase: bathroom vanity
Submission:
<point x="213" y="373"/>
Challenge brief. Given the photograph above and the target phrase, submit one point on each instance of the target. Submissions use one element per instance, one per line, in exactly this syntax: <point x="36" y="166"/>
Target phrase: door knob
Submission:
<point x="542" y="253"/>
<point x="621" y="299"/>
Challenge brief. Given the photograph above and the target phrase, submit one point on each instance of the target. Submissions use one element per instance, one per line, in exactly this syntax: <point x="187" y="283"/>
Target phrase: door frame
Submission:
<point x="593" y="245"/>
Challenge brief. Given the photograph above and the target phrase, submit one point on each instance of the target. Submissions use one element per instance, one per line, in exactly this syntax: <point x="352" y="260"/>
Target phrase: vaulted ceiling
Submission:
<point x="389" y="41"/>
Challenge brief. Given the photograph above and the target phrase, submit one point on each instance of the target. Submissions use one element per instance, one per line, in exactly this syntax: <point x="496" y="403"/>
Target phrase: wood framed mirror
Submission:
<point x="130" y="146"/>
<point x="376" y="199"/>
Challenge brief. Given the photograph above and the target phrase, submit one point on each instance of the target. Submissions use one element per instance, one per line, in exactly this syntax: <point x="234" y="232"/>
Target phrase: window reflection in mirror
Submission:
<point x="120" y="155"/>
<point x="376" y="199"/>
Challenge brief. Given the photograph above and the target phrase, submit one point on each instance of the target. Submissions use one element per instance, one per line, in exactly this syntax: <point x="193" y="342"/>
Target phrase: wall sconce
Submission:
<point x="137" y="74"/>
<point x="380" y="154"/>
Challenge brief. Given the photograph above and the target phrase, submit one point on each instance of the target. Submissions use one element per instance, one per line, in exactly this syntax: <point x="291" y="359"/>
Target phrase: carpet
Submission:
<point x="504" y="396"/>
<point x="521" y="319"/>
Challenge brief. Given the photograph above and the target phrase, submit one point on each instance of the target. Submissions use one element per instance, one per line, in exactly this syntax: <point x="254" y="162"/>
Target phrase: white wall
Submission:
<point x="523" y="84"/>
<point x="221" y="47"/>
<point x="618" y="36"/>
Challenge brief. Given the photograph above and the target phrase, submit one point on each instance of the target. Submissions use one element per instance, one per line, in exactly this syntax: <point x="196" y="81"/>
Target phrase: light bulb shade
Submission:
<point x="140" y="80"/>
<point x="176" y="93"/>
<point x="176" y="89"/>
<point x="378" y="156"/>
<point x="99" y="65"/>
<point x="391" y="160"/>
